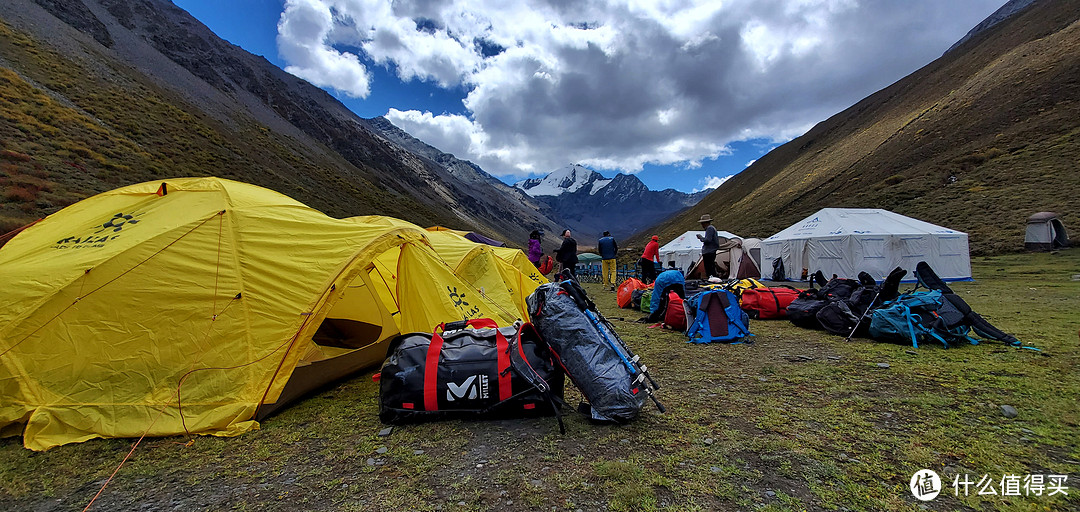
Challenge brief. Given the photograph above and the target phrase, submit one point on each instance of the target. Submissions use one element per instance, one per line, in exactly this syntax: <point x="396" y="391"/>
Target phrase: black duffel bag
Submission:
<point x="458" y="373"/>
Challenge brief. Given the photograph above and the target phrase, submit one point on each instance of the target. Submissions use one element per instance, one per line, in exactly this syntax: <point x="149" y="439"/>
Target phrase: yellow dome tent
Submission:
<point x="486" y="270"/>
<point x="199" y="305"/>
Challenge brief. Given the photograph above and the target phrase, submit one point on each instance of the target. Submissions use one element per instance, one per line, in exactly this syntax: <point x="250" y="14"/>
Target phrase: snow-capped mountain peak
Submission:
<point x="569" y="179"/>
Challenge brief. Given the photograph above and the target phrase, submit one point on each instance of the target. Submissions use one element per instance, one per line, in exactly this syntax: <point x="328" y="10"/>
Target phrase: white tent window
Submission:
<point x="873" y="248"/>
<point x="951" y="246"/>
<point x="913" y="246"/>
<point x="832" y="249"/>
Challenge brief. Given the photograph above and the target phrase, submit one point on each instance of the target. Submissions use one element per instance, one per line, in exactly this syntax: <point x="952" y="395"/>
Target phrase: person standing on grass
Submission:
<point x="567" y="253"/>
<point x="709" y="245"/>
<point x="649" y="259"/>
<point x="535" y="252"/>
<point x="608" y="249"/>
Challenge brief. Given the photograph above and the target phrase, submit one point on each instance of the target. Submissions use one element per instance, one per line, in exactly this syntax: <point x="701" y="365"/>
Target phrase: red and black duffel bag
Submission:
<point x="765" y="303"/>
<point x="481" y="373"/>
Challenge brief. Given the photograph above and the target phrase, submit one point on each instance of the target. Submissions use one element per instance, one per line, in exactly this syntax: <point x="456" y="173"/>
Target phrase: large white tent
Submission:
<point x="685" y="249"/>
<point x="846" y="241"/>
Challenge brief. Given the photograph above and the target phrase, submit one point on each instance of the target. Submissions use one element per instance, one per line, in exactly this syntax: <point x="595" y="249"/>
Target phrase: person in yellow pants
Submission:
<point x="608" y="249"/>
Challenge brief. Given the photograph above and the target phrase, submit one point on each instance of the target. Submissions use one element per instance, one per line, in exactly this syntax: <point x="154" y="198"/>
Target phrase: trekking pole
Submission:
<point x="634" y="357"/>
<point x="864" y="313"/>
<point x="639" y="371"/>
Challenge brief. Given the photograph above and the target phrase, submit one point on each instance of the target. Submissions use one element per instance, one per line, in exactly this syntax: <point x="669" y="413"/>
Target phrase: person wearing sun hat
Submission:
<point x="709" y="245"/>
<point x="651" y="255"/>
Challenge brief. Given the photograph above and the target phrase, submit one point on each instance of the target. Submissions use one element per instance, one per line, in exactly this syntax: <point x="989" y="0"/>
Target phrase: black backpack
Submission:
<point x="778" y="273"/>
<point x="803" y="310"/>
<point x="841" y="317"/>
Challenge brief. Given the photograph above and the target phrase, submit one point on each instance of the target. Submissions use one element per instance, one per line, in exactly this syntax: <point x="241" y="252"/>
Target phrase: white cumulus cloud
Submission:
<point x="711" y="182"/>
<point x="618" y="84"/>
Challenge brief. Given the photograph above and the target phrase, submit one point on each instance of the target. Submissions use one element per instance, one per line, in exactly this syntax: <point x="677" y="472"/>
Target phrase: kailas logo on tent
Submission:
<point x="108" y="230"/>
<point x="116" y="223"/>
<point x="473" y="388"/>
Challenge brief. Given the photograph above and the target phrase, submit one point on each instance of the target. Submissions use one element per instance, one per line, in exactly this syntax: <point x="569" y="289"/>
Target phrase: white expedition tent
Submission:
<point x="846" y="241"/>
<point x="685" y="249"/>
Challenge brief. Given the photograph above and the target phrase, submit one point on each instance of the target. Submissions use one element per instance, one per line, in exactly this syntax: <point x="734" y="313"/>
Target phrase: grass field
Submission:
<point x="797" y="420"/>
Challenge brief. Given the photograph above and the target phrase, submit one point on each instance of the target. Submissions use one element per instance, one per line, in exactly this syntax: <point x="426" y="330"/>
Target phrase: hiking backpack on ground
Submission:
<point x="778" y="273"/>
<point x="591" y="353"/>
<point x="714" y="315"/>
<point x="803" y="310"/>
<point x="938" y="314"/>
<point x="847" y="317"/>
<point x="455" y="372"/>
<point x="769" y="302"/>
<point x="546" y="264"/>
<point x="928" y="278"/>
<point x="646" y="302"/>
<point x="675" y="313"/>
<point x="920" y="317"/>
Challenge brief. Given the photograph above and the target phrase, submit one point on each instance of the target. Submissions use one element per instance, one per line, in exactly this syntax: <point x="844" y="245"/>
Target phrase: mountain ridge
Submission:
<point x="590" y="204"/>
<point x="142" y="55"/>
<point x="976" y="141"/>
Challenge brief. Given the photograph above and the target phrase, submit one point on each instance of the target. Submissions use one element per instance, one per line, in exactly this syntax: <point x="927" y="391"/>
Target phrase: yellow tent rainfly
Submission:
<point x="199" y="305"/>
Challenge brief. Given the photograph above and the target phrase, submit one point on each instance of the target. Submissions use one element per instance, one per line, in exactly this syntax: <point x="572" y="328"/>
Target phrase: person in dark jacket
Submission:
<point x="709" y="245"/>
<point x="535" y="252"/>
<point x="608" y="249"/>
<point x="566" y="255"/>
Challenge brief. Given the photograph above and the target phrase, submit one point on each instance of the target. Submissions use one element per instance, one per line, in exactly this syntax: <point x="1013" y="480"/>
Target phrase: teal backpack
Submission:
<point x="934" y="315"/>
<point x="919" y="317"/>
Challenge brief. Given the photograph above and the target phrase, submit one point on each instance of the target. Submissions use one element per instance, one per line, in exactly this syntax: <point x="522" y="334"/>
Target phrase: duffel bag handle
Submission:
<point x="475" y="323"/>
<point x="431" y="368"/>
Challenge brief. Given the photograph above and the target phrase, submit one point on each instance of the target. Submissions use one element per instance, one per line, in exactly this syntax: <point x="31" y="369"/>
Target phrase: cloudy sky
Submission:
<point x="682" y="92"/>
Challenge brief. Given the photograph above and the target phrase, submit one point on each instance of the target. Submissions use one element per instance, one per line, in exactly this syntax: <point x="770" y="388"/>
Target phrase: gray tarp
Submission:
<point x="591" y="362"/>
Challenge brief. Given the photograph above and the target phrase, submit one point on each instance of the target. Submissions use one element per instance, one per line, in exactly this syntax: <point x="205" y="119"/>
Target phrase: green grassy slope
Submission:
<point x="978" y="140"/>
<point x="68" y="131"/>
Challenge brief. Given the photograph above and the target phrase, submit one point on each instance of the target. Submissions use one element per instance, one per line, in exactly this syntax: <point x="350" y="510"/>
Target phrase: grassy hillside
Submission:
<point x="68" y="131"/>
<point x="977" y="141"/>
<point x="798" y="420"/>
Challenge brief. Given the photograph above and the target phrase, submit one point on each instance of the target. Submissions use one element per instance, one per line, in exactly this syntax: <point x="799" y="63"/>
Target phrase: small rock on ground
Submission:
<point x="1009" y="411"/>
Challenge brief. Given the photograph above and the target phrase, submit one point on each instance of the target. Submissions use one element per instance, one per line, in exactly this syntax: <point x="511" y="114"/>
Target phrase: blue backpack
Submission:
<point x="716" y="317"/>
<point x="920" y="316"/>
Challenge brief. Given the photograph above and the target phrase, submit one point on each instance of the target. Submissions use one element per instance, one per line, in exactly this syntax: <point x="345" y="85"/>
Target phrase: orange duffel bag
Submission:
<point x="626" y="291"/>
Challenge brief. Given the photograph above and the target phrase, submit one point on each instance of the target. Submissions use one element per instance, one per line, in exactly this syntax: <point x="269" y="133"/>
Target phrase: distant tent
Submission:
<point x="685" y="249"/>
<point x="846" y="241"/>
<point x="1045" y="232"/>
<point x="471" y="235"/>
<point x="201" y="307"/>
<point x="750" y="263"/>
<point x="481" y="239"/>
<point x="588" y="257"/>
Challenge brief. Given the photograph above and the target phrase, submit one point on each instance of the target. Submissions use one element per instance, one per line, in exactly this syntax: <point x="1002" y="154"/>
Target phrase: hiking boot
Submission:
<point x="612" y="287"/>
